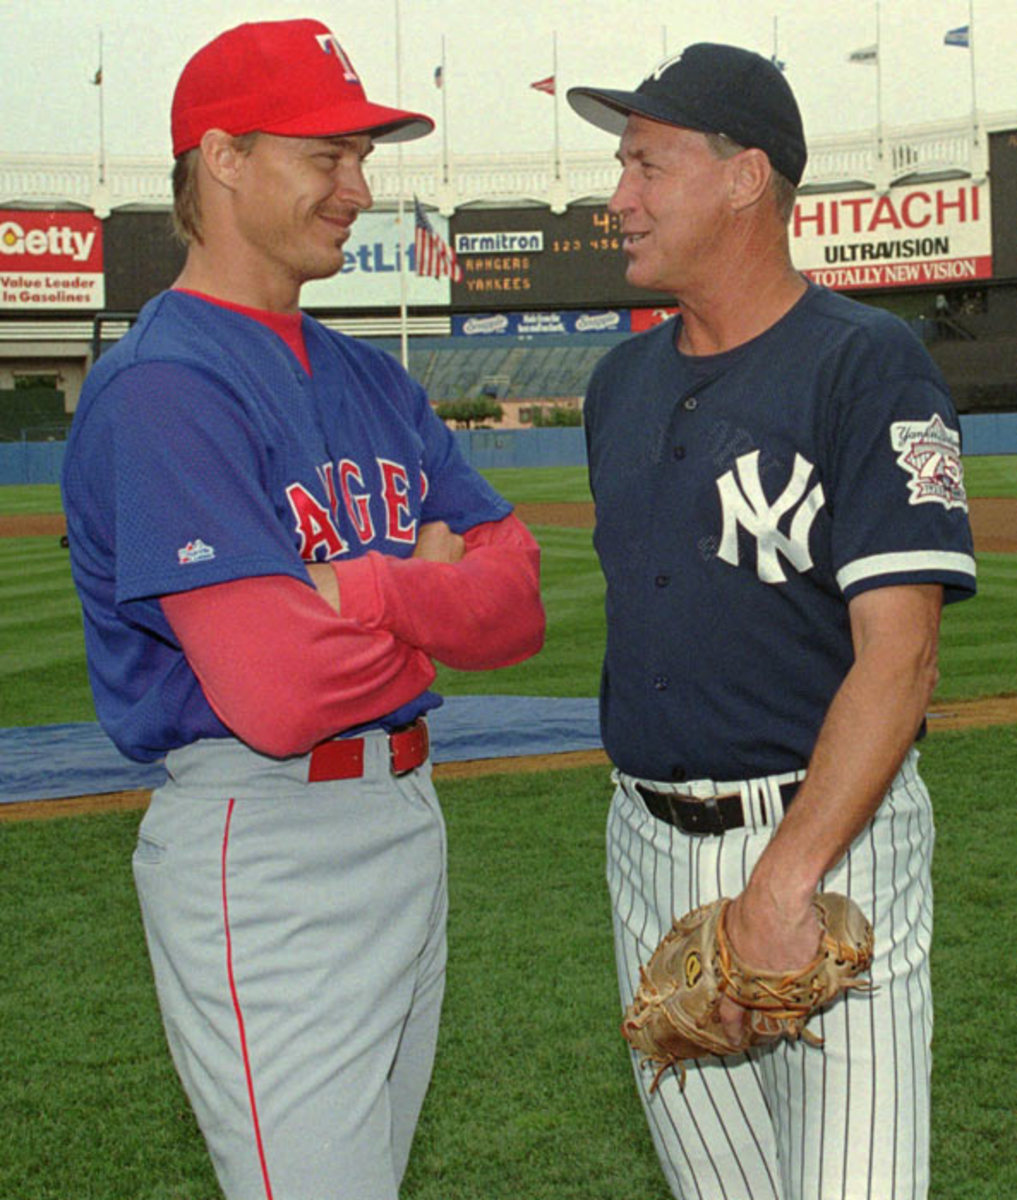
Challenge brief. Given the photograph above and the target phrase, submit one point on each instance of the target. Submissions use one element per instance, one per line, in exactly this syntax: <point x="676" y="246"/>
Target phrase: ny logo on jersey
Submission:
<point x="745" y="505"/>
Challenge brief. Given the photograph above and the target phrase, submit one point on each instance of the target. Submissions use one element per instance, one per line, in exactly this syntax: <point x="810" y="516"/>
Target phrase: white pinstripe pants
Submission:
<point x="849" y="1121"/>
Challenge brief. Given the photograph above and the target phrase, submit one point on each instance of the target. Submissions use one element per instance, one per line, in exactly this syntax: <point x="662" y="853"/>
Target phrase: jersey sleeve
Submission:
<point x="477" y="614"/>
<point x="282" y="671"/>
<point x="898" y="504"/>
<point x="183" y="467"/>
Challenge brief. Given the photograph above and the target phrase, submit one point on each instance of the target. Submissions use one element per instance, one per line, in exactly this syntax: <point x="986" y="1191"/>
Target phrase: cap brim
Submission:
<point x="609" y="110"/>
<point x="381" y="123"/>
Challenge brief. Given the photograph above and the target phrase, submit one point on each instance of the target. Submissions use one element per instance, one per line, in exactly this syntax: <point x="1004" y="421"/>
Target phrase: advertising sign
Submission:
<point x="538" y="324"/>
<point x="929" y="234"/>
<point x="645" y="318"/>
<point x="371" y="273"/>
<point x="50" y="260"/>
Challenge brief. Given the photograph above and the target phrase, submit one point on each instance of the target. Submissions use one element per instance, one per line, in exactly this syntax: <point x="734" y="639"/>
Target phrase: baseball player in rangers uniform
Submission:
<point x="780" y="515"/>
<point x="273" y="539"/>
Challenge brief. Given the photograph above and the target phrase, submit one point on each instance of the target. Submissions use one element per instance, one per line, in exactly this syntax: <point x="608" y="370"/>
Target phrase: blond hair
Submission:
<point x="186" y="198"/>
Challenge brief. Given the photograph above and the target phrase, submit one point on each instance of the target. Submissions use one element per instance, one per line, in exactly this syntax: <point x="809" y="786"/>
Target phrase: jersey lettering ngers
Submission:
<point x="742" y="500"/>
<point x="203" y="452"/>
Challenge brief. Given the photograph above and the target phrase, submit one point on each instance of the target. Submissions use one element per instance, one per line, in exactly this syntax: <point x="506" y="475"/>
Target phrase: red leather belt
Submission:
<point x="343" y="758"/>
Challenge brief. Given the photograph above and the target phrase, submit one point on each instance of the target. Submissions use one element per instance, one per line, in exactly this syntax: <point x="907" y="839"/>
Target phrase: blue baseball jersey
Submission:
<point x="203" y="452"/>
<point x="742" y="500"/>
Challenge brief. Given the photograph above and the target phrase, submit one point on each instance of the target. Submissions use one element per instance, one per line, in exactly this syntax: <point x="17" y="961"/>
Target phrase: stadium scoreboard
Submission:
<point x="532" y="257"/>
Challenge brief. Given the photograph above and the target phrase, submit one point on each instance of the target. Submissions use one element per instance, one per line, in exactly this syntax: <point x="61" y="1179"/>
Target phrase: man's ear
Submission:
<point x="750" y="178"/>
<point x="222" y="157"/>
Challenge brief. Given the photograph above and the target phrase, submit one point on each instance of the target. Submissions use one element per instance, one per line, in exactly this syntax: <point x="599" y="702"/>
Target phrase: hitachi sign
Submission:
<point x="59" y="240"/>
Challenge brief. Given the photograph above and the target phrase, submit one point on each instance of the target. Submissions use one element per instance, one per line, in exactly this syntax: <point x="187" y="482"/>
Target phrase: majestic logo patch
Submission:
<point x="745" y="504"/>
<point x="195" y="551"/>
<point x="929" y="452"/>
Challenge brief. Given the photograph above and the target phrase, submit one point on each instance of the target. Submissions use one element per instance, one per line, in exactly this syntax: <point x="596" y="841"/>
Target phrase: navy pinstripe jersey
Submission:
<point x="742" y="500"/>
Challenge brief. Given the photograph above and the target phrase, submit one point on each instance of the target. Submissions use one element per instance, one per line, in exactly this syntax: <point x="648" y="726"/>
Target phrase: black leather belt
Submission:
<point x="714" y="816"/>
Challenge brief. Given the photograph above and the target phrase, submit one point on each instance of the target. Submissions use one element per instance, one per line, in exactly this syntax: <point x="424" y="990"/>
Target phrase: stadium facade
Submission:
<point x="921" y="220"/>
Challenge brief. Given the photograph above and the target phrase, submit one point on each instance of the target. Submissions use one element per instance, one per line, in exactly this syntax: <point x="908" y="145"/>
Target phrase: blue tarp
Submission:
<point x="48" y="762"/>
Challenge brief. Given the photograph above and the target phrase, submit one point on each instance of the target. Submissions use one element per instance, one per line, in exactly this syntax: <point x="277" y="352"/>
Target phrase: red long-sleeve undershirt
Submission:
<point x="283" y="671"/>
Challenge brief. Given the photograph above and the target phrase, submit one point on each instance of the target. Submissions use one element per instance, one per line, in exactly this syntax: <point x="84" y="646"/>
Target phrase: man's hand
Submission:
<point x="437" y="543"/>
<point x="769" y="936"/>
<point x="324" y="580"/>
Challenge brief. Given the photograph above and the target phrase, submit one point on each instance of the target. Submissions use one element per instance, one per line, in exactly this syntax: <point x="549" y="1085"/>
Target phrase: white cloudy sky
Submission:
<point x="494" y="49"/>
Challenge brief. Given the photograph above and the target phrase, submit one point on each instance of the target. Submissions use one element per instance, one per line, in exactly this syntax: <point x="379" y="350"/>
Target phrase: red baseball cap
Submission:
<point x="291" y="78"/>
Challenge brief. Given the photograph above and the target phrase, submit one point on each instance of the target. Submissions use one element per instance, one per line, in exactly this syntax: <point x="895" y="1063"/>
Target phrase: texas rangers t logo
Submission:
<point x="745" y="504"/>
<point x="330" y="44"/>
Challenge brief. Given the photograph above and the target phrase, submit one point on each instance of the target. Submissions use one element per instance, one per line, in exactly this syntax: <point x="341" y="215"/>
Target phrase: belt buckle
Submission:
<point x="412" y="749"/>
<point x="704" y="819"/>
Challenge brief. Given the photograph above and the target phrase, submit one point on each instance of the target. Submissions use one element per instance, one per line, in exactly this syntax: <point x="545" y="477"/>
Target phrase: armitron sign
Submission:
<point x="50" y="260"/>
<point x="932" y="234"/>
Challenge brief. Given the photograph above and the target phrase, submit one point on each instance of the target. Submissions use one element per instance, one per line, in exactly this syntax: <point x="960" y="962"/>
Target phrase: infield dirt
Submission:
<point x="993" y="520"/>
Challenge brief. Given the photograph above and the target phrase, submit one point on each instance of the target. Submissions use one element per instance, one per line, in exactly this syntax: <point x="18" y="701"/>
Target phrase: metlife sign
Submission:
<point x="371" y="276"/>
<point x="50" y="260"/>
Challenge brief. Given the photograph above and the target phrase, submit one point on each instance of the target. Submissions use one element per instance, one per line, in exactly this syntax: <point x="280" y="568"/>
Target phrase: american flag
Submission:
<point x="434" y="256"/>
<point x="544" y="85"/>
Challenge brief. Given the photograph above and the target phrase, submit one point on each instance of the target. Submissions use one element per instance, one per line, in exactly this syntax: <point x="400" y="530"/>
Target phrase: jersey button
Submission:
<point x="661" y="682"/>
<point x="678" y="453"/>
<point x="690" y="404"/>
<point x="662" y="580"/>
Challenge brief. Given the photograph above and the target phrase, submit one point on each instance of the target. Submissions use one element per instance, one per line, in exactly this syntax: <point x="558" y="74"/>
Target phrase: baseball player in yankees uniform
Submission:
<point x="780" y="515"/>
<point x="274" y="538"/>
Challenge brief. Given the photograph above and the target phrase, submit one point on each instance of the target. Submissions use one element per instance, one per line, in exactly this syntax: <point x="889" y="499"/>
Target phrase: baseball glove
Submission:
<point x="674" y="1014"/>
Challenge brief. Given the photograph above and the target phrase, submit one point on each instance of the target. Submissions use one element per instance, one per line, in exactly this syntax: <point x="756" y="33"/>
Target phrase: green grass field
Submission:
<point x="42" y="668"/>
<point x="532" y="1097"/>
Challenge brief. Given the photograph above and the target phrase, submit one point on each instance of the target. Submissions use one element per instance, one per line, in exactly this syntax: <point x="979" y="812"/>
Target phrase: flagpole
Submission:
<point x="971" y="59"/>
<point x="879" y="90"/>
<point x="102" y="120"/>
<point x="400" y="224"/>
<point x="444" y="115"/>
<point x="557" y="89"/>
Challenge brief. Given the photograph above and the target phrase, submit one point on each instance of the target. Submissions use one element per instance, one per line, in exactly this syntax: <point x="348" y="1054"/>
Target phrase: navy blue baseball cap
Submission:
<point x="715" y="89"/>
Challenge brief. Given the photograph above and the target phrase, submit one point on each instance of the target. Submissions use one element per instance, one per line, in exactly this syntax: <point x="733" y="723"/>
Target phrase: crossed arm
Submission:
<point x="285" y="666"/>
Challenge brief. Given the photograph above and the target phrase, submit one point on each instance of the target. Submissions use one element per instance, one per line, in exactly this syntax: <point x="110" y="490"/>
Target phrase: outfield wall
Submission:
<point x="40" y="462"/>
